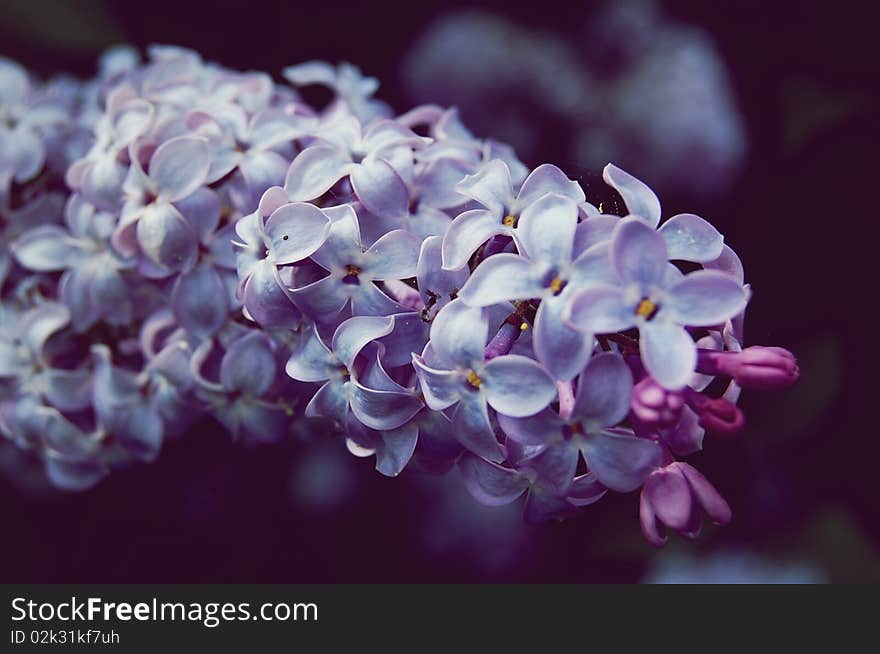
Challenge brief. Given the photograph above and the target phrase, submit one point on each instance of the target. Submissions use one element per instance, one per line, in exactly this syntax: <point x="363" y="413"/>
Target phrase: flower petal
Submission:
<point x="249" y="365"/>
<point x="691" y="238"/>
<point x="604" y="389"/>
<point x="669" y="353"/>
<point x="397" y="449"/>
<point x="517" y="386"/>
<point x="620" y="462"/>
<point x="473" y="429"/>
<point x="354" y="334"/>
<point x="705" y="297"/>
<point x="639" y="198"/>
<point x="180" y="166"/>
<point x="600" y="309"/>
<point x="546" y="229"/>
<point x="198" y="300"/>
<point x="638" y="253"/>
<point x="312" y="361"/>
<point x="295" y="231"/>
<point x="383" y="410"/>
<point x="394" y="256"/>
<point x="490" y="483"/>
<point x="490" y="186"/>
<point x="166" y="238"/>
<point x="380" y="188"/>
<point x="314" y="171"/>
<point x="46" y="248"/>
<point x="502" y="277"/>
<point x="562" y="350"/>
<point x="545" y="179"/>
<point x="539" y="429"/>
<point x="466" y="233"/>
<point x="459" y="333"/>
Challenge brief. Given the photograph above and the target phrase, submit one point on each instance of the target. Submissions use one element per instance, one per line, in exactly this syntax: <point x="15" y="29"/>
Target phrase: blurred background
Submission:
<point x="761" y="117"/>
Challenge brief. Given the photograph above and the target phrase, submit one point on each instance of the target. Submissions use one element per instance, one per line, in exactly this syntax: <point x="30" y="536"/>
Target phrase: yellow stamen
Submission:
<point x="523" y="326"/>
<point x="509" y="220"/>
<point x="600" y="207"/>
<point x="473" y="379"/>
<point x="646" y="308"/>
<point x="352" y="270"/>
<point x="346" y="372"/>
<point x="556" y="285"/>
<point x="577" y="428"/>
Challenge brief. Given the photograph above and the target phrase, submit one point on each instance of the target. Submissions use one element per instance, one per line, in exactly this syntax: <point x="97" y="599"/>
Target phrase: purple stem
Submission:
<point x="503" y="341"/>
<point x="404" y="294"/>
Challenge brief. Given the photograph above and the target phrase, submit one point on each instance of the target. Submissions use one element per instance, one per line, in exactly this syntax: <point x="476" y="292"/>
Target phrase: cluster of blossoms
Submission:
<point x="222" y="248"/>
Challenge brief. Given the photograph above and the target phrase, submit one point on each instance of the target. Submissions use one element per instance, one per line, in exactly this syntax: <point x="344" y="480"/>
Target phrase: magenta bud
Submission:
<point x="655" y="406"/>
<point x="758" y="366"/>
<point x="716" y="414"/>
<point x="766" y="368"/>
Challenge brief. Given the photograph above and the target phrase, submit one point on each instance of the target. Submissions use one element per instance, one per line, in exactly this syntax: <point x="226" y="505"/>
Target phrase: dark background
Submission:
<point x="801" y="479"/>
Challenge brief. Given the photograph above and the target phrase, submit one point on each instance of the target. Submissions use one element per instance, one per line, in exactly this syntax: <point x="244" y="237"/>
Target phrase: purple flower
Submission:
<point x="150" y="222"/>
<point x="240" y="399"/>
<point x="354" y="92"/>
<point x="673" y="496"/>
<point x="371" y="160"/>
<point x="618" y="459"/>
<point x="545" y="270"/>
<point x="277" y="234"/>
<point x="492" y="187"/>
<point x="92" y="286"/>
<point x="453" y="371"/>
<point x="688" y="237"/>
<point x="654" y="297"/>
<point x="352" y="270"/>
<point x="24" y="358"/>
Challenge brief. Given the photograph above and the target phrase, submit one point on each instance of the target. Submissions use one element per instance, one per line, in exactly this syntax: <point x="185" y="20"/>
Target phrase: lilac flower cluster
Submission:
<point x="226" y="249"/>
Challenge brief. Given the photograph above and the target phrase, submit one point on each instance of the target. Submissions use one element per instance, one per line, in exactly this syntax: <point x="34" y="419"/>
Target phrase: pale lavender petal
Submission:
<point x="314" y="171"/>
<point x="563" y="350"/>
<point x="166" y="238"/>
<point x="180" y="166"/>
<point x="295" y="231"/>
<point x="266" y="301"/>
<point x="600" y="309"/>
<point x="41" y="322"/>
<point x="441" y="388"/>
<point x="473" y="429"/>
<point x="68" y="390"/>
<point x="545" y="179"/>
<point x="330" y="401"/>
<point x="466" y="233"/>
<point x="705" y="297"/>
<point x="620" y="462"/>
<point x="729" y="263"/>
<point x="394" y="256"/>
<point x="585" y="490"/>
<point x="354" y="334"/>
<point x="490" y="483"/>
<point x="502" y="277"/>
<point x="517" y="386"/>
<point x="202" y="211"/>
<point x="459" y="333"/>
<point x="432" y="279"/>
<point x="556" y="467"/>
<point x="604" y="389"/>
<point x="249" y="365"/>
<point x="490" y="186"/>
<point x="539" y="429"/>
<point x="312" y="361"/>
<point x="198" y="300"/>
<point x="368" y="300"/>
<point x="383" y="409"/>
<point x="669" y="353"/>
<point x="410" y="335"/>
<point x="321" y="299"/>
<point x="638" y="253"/>
<point x="380" y="188"/>
<point x="46" y="248"/>
<point x="546" y="229"/>
<point x="691" y="238"/>
<point x="262" y="169"/>
<point x="593" y="230"/>
<point x="639" y="198"/>
<point x="592" y="266"/>
<point x="397" y="449"/>
<point x="343" y="240"/>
